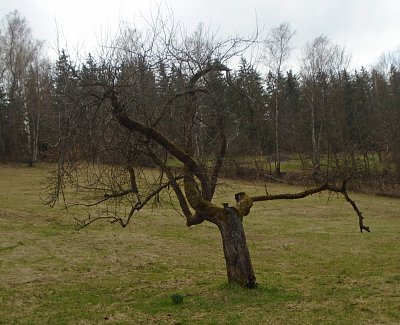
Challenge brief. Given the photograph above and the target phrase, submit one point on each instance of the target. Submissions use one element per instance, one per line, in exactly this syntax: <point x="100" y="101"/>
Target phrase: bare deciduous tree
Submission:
<point x="140" y="105"/>
<point x="20" y="64"/>
<point x="320" y="59"/>
<point x="277" y="48"/>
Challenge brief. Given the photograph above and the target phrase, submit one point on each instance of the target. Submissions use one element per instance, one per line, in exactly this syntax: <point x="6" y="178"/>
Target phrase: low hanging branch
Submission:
<point x="357" y="210"/>
<point x="325" y="187"/>
<point x="136" y="207"/>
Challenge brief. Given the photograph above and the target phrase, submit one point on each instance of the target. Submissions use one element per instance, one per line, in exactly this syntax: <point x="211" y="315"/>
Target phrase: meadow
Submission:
<point x="312" y="264"/>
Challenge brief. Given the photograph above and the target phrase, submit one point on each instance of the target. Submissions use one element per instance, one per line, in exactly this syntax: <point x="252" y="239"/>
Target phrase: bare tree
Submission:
<point x="277" y="48"/>
<point x="20" y="56"/>
<point x="320" y="59"/>
<point x="139" y="105"/>
<point x="387" y="61"/>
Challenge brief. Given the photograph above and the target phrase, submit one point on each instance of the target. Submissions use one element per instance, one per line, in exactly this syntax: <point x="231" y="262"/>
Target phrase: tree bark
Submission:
<point x="237" y="257"/>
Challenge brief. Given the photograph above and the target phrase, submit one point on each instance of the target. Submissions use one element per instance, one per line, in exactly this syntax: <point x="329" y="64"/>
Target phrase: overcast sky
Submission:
<point x="367" y="28"/>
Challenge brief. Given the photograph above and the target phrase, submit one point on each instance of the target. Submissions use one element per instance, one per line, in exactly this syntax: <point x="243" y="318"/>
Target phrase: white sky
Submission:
<point x="367" y="28"/>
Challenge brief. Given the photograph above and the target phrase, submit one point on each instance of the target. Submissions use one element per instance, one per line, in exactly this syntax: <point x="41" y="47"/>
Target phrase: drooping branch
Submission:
<point x="115" y="195"/>
<point x="356" y="209"/>
<point x="325" y="187"/>
<point x="138" y="206"/>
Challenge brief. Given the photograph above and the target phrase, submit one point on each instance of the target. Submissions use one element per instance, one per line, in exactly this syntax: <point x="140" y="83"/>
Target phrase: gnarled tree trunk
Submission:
<point x="238" y="263"/>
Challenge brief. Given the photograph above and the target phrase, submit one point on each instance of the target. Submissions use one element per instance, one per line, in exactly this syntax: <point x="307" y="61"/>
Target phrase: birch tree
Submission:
<point x="277" y="52"/>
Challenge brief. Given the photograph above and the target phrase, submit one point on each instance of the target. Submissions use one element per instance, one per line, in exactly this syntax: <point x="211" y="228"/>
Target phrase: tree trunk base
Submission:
<point x="237" y="256"/>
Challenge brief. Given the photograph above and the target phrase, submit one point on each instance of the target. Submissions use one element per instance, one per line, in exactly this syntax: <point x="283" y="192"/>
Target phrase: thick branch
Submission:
<point x="291" y="196"/>
<point x="119" y="194"/>
<point x="178" y="192"/>
<point x="243" y="204"/>
<point x="205" y="210"/>
<point x="220" y="158"/>
<point x="132" y="178"/>
<point x="153" y="134"/>
<point x="212" y="67"/>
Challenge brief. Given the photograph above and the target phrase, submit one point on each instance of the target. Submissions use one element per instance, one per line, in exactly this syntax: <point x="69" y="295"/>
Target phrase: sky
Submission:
<point x="366" y="28"/>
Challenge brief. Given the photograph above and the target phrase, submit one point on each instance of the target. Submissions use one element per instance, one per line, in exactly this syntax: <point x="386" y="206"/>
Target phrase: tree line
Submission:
<point x="335" y="120"/>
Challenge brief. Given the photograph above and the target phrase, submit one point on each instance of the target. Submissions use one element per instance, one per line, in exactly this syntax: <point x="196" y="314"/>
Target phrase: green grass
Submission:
<point x="312" y="264"/>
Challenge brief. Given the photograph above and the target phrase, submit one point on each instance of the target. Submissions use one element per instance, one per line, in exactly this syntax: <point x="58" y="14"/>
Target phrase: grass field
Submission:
<point x="312" y="264"/>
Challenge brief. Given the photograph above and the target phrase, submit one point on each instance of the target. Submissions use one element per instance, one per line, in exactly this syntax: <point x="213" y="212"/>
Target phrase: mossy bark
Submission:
<point x="229" y="221"/>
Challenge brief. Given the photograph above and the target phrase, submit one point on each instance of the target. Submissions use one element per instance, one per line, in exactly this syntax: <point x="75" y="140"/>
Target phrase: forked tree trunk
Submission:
<point x="237" y="256"/>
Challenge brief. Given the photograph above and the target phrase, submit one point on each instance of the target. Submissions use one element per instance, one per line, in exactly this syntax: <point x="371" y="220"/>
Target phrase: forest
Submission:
<point x="330" y="119"/>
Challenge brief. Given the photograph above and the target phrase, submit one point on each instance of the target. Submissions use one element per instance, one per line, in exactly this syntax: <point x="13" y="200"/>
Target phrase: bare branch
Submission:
<point x="201" y="73"/>
<point x="178" y="192"/>
<point x="138" y="206"/>
<point x="153" y="134"/>
<point x="325" y="187"/>
<point x="291" y="196"/>
<point x="220" y="158"/>
<point x="173" y="98"/>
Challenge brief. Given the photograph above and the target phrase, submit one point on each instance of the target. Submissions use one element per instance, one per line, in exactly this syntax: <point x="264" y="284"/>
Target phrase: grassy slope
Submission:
<point x="312" y="264"/>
